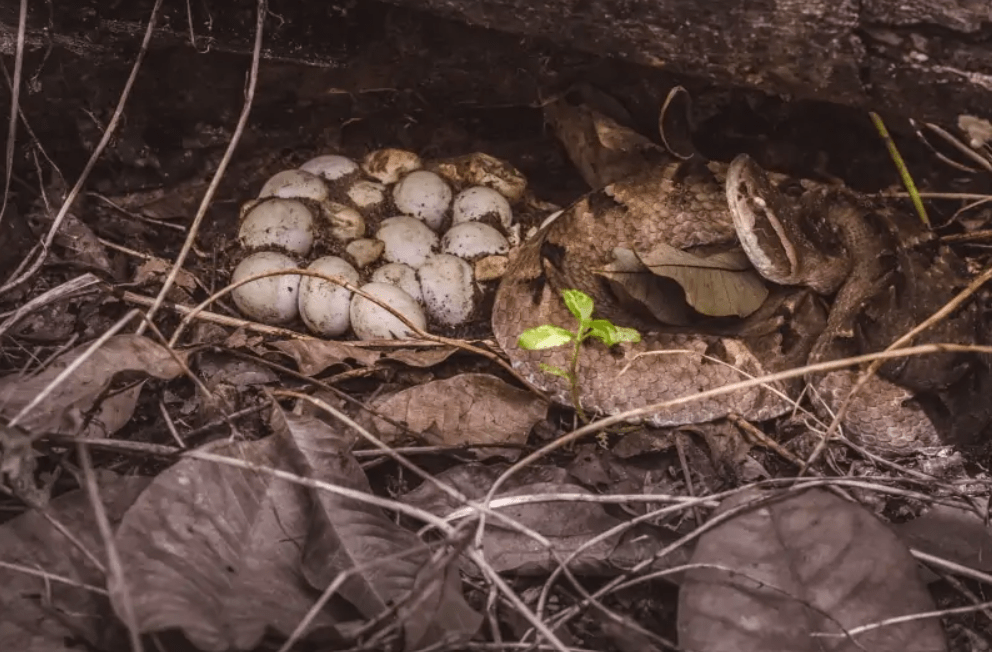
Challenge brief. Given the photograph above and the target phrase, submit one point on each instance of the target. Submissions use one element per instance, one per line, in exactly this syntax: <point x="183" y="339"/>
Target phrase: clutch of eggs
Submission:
<point x="421" y="237"/>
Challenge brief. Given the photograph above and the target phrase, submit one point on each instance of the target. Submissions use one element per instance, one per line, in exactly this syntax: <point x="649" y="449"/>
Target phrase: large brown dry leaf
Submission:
<point x="953" y="533"/>
<point x="347" y="534"/>
<point x="807" y="563"/>
<point x="720" y="284"/>
<point x="567" y="524"/>
<point x="215" y="550"/>
<point x="40" y="615"/>
<point x="64" y="408"/>
<point x="464" y="409"/>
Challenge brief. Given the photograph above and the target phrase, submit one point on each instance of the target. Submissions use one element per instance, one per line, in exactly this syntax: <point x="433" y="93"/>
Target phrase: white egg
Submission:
<point x="283" y="223"/>
<point x="423" y="195"/>
<point x="477" y="202"/>
<point x="325" y="306"/>
<point x="448" y="290"/>
<point x="388" y="165"/>
<point x="367" y="194"/>
<point x="402" y="276"/>
<point x="270" y="300"/>
<point x="471" y="240"/>
<point x="295" y="184"/>
<point x="372" y="322"/>
<point x="347" y="224"/>
<point x="330" y="166"/>
<point x="365" y="251"/>
<point x="407" y="239"/>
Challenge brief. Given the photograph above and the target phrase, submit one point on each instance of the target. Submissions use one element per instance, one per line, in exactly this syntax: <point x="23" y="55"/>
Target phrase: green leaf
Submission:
<point x="545" y="336"/>
<point x="610" y="334"/>
<point x="556" y="371"/>
<point x="579" y="304"/>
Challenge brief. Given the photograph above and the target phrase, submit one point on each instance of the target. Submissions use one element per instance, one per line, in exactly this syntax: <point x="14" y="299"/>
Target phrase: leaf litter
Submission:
<point x="228" y="554"/>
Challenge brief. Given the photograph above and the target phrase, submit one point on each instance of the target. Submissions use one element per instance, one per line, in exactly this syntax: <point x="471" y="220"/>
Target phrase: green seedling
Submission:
<point x="548" y="336"/>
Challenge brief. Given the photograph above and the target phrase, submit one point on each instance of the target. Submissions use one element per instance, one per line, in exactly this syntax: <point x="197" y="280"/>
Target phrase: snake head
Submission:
<point x="774" y="231"/>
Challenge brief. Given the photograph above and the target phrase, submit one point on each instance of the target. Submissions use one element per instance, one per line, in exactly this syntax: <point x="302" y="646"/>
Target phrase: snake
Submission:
<point x="818" y="244"/>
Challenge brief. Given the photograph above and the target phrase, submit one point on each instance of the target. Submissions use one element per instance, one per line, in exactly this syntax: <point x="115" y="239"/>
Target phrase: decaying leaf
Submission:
<point x="225" y="553"/>
<point x="65" y="407"/>
<point x="720" y="284"/>
<point x="314" y="356"/>
<point x="795" y="573"/>
<point x="953" y="533"/>
<point x="464" y="409"/>
<point x="40" y="614"/>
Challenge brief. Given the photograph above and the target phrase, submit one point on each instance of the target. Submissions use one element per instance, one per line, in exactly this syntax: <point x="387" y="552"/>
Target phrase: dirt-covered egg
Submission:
<point x="372" y="322"/>
<point x="270" y="300"/>
<point x="407" y="240"/>
<point x="473" y="240"/>
<point x="448" y="289"/>
<point x="480" y="169"/>
<point x="423" y="195"/>
<point x="480" y="203"/>
<point x="325" y="307"/>
<point x="388" y="165"/>
<point x="284" y="224"/>
<point x="330" y="167"/>
<point x="295" y="184"/>
<point x="402" y="276"/>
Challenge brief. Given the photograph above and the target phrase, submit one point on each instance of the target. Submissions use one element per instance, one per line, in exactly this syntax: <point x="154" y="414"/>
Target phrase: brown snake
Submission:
<point x="686" y="205"/>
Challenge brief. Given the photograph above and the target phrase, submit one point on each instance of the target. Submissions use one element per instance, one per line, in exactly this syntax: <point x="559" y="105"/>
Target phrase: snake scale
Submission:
<point x="688" y="205"/>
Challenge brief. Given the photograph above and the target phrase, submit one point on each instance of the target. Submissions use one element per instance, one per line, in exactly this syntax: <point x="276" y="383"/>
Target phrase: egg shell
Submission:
<point x="270" y="300"/>
<point x="479" y="202"/>
<point x="330" y="167"/>
<point x="366" y="194"/>
<point x="402" y="276"/>
<point x="407" y="240"/>
<point x="325" y="307"/>
<point x="283" y="223"/>
<point x="423" y="195"/>
<point x="372" y="322"/>
<point x="365" y="251"/>
<point x="295" y="184"/>
<point x="346" y="223"/>
<point x="389" y="164"/>
<point x="473" y="240"/>
<point x="448" y="289"/>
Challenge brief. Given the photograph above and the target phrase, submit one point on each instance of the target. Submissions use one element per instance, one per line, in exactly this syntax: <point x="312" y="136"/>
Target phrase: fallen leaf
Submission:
<point x="39" y="614"/>
<point x="64" y="409"/>
<point x="954" y="533"/>
<point x="349" y="535"/>
<point x="214" y="550"/>
<point x="795" y="573"/>
<point x="465" y="409"/>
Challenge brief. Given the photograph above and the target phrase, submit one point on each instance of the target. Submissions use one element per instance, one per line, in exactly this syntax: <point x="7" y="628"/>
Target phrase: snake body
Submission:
<point x="686" y="205"/>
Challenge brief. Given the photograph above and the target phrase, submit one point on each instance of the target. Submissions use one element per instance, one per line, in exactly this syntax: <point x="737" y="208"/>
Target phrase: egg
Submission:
<point x="479" y="202"/>
<point x="325" y="307"/>
<point x="295" y="184"/>
<point x="402" y="276"/>
<point x="473" y="240"/>
<point x="365" y="251"/>
<point x="366" y="194"/>
<point x="330" y="167"/>
<point x="448" y="289"/>
<point x="372" y="322"/>
<point x="423" y="195"/>
<point x="286" y="224"/>
<point x="407" y="240"/>
<point x="270" y="300"/>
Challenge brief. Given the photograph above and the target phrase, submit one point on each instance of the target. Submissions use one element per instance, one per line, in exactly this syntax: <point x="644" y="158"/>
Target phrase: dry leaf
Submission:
<point x="807" y="564"/>
<point x="465" y="409"/>
<point x="40" y="615"/>
<point x="64" y="408"/>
